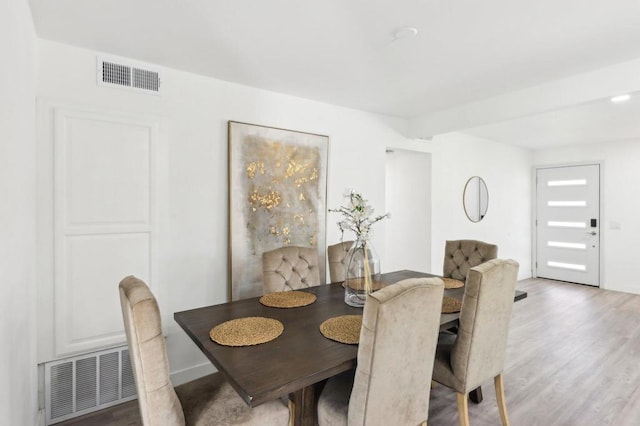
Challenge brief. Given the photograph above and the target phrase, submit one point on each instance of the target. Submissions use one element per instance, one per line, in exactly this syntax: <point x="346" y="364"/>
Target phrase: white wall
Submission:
<point x="194" y="111"/>
<point x="507" y="172"/>
<point x="18" y="397"/>
<point x="619" y="203"/>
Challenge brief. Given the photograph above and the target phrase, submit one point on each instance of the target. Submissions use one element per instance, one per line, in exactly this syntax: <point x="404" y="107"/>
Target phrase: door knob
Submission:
<point x="592" y="233"/>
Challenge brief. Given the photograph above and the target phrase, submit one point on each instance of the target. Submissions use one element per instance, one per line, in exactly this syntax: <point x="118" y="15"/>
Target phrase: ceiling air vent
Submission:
<point x="125" y="74"/>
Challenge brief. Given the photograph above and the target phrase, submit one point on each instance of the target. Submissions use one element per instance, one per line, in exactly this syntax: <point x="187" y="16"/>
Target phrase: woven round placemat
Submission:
<point x="358" y="284"/>
<point x="246" y="331"/>
<point x="451" y="283"/>
<point x="450" y="305"/>
<point x="288" y="299"/>
<point x="343" y="329"/>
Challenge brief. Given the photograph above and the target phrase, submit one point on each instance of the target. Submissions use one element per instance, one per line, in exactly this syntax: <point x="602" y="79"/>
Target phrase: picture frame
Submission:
<point x="277" y="197"/>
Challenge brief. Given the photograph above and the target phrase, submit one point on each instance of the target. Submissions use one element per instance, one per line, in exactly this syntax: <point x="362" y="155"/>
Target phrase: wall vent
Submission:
<point x="82" y="384"/>
<point x="124" y="74"/>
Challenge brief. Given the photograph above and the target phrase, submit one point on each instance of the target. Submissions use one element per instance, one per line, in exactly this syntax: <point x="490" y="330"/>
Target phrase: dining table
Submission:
<point x="297" y="362"/>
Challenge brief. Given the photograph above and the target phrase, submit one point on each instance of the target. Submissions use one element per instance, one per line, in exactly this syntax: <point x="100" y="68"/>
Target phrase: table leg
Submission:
<point x="476" y="395"/>
<point x="302" y="407"/>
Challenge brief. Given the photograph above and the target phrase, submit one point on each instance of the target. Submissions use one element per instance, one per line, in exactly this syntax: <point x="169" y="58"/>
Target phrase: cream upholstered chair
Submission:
<point x="461" y="255"/>
<point x="476" y="353"/>
<point x="392" y="381"/>
<point x="337" y="255"/>
<point x="290" y="268"/>
<point x="214" y="402"/>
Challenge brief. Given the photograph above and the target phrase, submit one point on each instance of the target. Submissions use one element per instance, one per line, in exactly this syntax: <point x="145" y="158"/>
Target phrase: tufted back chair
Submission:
<point x="462" y="255"/>
<point x="210" y="402"/>
<point x="477" y="352"/>
<point x="158" y="401"/>
<point x="290" y="268"/>
<point x="337" y="255"/>
<point x="392" y="381"/>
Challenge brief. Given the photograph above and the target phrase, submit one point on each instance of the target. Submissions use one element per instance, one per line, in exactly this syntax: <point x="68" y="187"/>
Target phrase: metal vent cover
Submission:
<point x="85" y="383"/>
<point x="142" y="78"/>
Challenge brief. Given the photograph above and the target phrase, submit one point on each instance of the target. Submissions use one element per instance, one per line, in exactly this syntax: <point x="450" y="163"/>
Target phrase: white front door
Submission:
<point x="568" y="223"/>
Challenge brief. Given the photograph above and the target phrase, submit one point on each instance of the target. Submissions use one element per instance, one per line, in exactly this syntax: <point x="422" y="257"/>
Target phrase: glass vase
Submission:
<point x="362" y="273"/>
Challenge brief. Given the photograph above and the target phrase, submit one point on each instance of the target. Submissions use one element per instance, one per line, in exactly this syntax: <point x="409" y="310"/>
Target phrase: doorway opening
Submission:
<point x="408" y="199"/>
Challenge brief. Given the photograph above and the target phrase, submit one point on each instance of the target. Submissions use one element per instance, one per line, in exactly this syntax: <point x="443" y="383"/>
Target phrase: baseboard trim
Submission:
<point x="188" y="374"/>
<point x="622" y="288"/>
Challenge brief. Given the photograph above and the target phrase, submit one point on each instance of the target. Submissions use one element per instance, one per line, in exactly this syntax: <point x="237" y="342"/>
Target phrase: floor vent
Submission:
<point x="82" y="384"/>
<point x="138" y="77"/>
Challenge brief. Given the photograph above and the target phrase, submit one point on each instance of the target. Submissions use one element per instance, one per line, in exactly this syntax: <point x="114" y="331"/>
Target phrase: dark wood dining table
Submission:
<point x="300" y="358"/>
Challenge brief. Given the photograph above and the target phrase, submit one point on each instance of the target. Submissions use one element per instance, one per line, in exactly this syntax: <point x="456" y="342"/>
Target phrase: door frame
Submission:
<point x="534" y="217"/>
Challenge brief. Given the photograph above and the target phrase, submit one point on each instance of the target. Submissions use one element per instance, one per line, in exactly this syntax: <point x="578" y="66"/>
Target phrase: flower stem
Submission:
<point x="368" y="285"/>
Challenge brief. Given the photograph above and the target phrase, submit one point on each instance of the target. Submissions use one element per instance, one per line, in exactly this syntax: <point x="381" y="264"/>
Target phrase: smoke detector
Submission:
<point x="404" y="33"/>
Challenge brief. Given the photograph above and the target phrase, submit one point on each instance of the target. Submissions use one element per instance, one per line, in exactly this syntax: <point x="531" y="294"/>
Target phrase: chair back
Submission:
<point x="398" y="339"/>
<point x="337" y="255"/>
<point x="479" y="350"/>
<point x="158" y="402"/>
<point x="461" y="255"/>
<point x="290" y="268"/>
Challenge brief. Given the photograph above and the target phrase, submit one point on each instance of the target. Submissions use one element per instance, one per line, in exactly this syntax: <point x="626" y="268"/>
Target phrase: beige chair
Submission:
<point x="213" y="402"/>
<point x="395" y="359"/>
<point x="462" y="255"/>
<point x="337" y="255"/>
<point x="290" y="268"/>
<point x="476" y="354"/>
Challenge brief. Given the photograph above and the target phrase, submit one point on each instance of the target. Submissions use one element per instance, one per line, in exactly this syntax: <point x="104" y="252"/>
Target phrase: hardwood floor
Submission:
<point x="573" y="359"/>
<point x="126" y="414"/>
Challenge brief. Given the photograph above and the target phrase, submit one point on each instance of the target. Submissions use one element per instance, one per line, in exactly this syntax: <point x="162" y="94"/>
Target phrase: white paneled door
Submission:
<point x="104" y="221"/>
<point x="568" y="223"/>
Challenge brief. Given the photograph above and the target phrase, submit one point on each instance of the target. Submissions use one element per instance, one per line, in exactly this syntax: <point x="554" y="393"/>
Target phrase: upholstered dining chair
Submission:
<point x="461" y="255"/>
<point x="392" y="381"/>
<point x="290" y="268"/>
<point x="214" y="402"/>
<point x="476" y="353"/>
<point x="337" y="256"/>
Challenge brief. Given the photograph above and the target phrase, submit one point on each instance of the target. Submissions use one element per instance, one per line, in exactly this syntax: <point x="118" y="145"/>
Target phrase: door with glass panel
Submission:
<point x="568" y="223"/>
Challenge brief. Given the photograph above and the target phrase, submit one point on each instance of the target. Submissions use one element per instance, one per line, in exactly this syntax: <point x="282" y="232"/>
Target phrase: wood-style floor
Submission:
<point x="573" y="359"/>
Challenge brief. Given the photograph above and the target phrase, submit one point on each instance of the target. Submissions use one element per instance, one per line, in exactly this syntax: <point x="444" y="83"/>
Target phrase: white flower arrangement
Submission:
<point x="357" y="216"/>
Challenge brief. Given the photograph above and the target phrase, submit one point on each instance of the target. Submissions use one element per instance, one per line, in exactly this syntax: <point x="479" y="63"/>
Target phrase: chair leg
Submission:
<point x="292" y="412"/>
<point x="463" y="409"/>
<point x="502" y="405"/>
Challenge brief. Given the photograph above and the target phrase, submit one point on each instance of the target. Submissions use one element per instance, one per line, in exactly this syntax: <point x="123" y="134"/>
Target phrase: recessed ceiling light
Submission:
<point x="621" y="98"/>
<point x="404" y="33"/>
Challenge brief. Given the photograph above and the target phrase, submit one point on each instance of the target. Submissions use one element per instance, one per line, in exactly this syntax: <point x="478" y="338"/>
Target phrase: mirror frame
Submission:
<point x="480" y="214"/>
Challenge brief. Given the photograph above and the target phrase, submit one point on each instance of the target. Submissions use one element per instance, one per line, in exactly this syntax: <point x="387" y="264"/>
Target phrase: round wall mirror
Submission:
<point x="475" y="199"/>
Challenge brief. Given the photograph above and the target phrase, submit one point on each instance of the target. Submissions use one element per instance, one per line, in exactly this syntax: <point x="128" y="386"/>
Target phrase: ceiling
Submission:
<point x="593" y="122"/>
<point x="344" y="53"/>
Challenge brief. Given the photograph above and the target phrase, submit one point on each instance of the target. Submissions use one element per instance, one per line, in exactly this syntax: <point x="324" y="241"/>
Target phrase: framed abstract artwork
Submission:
<point x="277" y="197"/>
